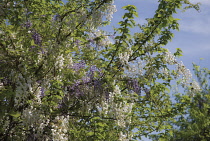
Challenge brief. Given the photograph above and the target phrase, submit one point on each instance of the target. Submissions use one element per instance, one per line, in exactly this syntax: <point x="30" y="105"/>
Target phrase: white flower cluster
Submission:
<point x="44" y="121"/>
<point x="135" y="68"/>
<point x="1" y="86"/>
<point x="124" y="57"/>
<point x="62" y="63"/>
<point x="105" y="41"/>
<point x="39" y="58"/>
<point x="186" y="74"/>
<point x="181" y="70"/>
<point x="123" y="137"/>
<point x="29" y="116"/>
<point x="132" y="69"/>
<point x="169" y="58"/>
<point x="59" y="62"/>
<point x="60" y="128"/>
<point x="107" y="10"/>
<point x="23" y="89"/>
<point x="111" y="9"/>
<point x="37" y="94"/>
<point x="68" y="61"/>
<point x="140" y="67"/>
<point x="105" y="107"/>
<point x="5" y="121"/>
<point x="120" y="110"/>
<point x="165" y="71"/>
<point x="33" y="118"/>
<point x="194" y="88"/>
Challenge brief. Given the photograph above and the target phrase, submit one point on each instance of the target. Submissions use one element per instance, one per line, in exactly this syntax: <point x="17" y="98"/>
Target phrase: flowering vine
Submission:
<point x="64" y="78"/>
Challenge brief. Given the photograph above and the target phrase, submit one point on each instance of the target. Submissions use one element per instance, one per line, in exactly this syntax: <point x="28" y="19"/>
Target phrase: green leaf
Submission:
<point x="15" y="114"/>
<point x="90" y="133"/>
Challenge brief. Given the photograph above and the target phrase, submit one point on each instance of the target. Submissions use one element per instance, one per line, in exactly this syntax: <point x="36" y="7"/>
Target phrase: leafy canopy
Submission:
<point x="63" y="78"/>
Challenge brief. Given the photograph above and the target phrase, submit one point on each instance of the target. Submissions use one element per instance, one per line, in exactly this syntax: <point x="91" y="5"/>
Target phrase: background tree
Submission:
<point x="63" y="78"/>
<point x="194" y="122"/>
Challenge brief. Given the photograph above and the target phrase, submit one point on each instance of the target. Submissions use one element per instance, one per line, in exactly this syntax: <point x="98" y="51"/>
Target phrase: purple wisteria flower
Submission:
<point x="88" y="82"/>
<point x="29" y="13"/>
<point x="91" y="41"/>
<point x="147" y="92"/>
<point x="37" y="38"/>
<point x="96" y="81"/>
<point x="77" y="42"/>
<point x="91" y="71"/>
<point x="42" y="92"/>
<point x="56" y="17"/>
<point x="76" y="89"/>
<point x="28" y="24"/>
<point x="78" y="66"/>
<point x="134" y="85"/>
<point x="32" y="47"/>
<point x="97" y="85"/>
<point x="93" y="68"/>
<point x="59" y="106"/>
<point x="107" y="94"/>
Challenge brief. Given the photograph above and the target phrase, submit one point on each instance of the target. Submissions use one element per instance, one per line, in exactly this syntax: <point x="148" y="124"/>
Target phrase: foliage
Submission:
<point x="193" y="124"/>
<point x="63" y="78"/>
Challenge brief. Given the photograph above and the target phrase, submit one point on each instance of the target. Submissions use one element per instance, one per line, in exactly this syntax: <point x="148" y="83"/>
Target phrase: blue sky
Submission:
<point x="194" y="35"/>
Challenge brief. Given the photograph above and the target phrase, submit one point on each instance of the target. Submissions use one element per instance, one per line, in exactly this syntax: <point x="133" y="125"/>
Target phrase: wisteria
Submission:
<point x="56" y="17"/>
<point x="28" y="24"/>
<point x="64" y="78"/>
<point x="60" y="128"/>
<point x="78" y="66"/>
<point x="124" y="57"/>
<point x="80" y="86"/>
<point x="37" y="38"/>
<point x="134" y="85"/>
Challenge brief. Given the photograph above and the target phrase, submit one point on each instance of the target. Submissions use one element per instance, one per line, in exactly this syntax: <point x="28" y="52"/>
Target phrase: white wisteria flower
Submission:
<point x="124" y="57"/>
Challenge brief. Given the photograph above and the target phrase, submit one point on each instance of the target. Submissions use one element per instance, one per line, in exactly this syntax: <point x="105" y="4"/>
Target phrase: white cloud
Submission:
<point x="194" y="21"/>
<point x="197" y="50"/>
<point x="203" y="2"/>
<point x="199" y="25"/>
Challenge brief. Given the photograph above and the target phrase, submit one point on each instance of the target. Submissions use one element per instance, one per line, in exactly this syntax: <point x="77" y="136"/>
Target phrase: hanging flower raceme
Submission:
<point x="124" y="57"/>
<point x="36" y="37"/>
